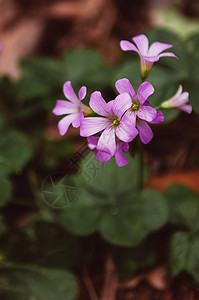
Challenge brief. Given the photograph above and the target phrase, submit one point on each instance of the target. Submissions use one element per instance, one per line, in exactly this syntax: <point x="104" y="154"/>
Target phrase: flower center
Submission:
<point x="115" y="122"/>
<point x="135" y="105"/>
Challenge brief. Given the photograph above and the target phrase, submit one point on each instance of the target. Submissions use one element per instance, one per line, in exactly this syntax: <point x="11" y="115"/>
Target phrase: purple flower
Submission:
<point x="73" y="108"/>
<point x="179" y="100"/>
<point x="104" y="157"/>
<point x="113" y="123"/>
<point x="140" y="111"/>
<point x="148" y="55"/>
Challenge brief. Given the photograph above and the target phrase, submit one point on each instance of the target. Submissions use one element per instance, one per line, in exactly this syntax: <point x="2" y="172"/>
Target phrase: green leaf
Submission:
<point x="110" y="203"/>
<point x="109" y="178"/>
<point x="129" y="69"/>
<point x="178" y="252"/>
<point x="131" y="219"/>
<point x="83" y="65"/>
<point x="83" y="215"/>
<point x="14" y="150"/>
<point x="184" y="255"/>
<point x="30" y="86"/>
<point x="25" y="282"/>
<point x="184" y="206"/>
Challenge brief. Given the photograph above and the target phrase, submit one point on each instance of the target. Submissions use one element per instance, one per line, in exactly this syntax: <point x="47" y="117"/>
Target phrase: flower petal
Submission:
<point x="77" y="122"/>
<point x="126" y="46"/>
<point x="98" y="104"/>
<point x="151" y="59"/>
<point x="92" y="142"/>
<point x="125" y="146"/>
<point x="186" y="108"/>
<point x="158" y="47"/>
<point x="124" y="86"/>
<point x="147" y="113"/>
<point x="65" y="123"/>
<point x="93" y="125"/>
<point x="103" y="156"/>
<point x="145" y="132"/>
<point x="63" y="107"/>
<point x="126" y="131"/>
<point x="158" y="119"/>
<point x="107" y="141"/>
<point x="144" y="91"/>
<point x="120" y="158"/>
<point x="181" y="100"/>
<point x="142" y="43"/>
<point x="121" y="103"/>
<point x="69" y="92"/>
<point x="82" y="93"/>
<point x="169" y="54"/>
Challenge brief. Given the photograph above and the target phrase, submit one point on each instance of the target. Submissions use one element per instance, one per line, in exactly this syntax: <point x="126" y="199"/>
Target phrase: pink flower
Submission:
<point x="148" y="55"/>
<point x="113" y="124"/>
<point x="73" y="108"/>
<point x="104" y="157"/>
<point x="140" y="111"/>
<point x="179" y="100"/>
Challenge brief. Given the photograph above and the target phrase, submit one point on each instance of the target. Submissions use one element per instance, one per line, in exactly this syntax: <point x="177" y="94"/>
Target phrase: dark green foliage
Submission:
<point x="109" y="202"/>
<point x="27" y="282"/>
<point x="183" y="247"/>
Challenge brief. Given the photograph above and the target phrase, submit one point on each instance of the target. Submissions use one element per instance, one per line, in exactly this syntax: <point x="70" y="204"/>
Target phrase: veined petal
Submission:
<point x="107" y="141"/>
<point x="158" y="119"/>
<point x="142" y="43"/>
<point x="144" y="91"/>
<point x="126" y="46"/>
<point x="82" y="93"/>
<point x="147" y="113"/>
<point x="103" y="156"/>
<point x="145" y="132"/>
<point x="69" y="92"/>
<point x="158" y="47"/>
<point x="186" y="108"/>
<point x="110" y="105"/>
<point x="169" y="54"/>
<point x="98" y="104"/>
<point x="124" y="86"/>
<point x="93" y="125"/>
<point x="63" y="107"/>
<point x="77" y="122"/>
<point x="65" y="123"/>
<point x="121" y="103"/>
<point x="120" y="158"/>
<point x="126" y="131"/>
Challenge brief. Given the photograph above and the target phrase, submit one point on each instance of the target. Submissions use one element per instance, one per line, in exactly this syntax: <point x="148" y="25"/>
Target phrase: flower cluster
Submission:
<point x="111" y="126"/>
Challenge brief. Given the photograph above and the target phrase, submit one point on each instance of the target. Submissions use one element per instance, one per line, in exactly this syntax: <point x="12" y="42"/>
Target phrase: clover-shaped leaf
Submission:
<point x="109" y="202"/>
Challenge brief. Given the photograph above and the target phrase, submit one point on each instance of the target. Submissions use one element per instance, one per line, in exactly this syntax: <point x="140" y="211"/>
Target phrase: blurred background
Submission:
<point x="66" y="228"/>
